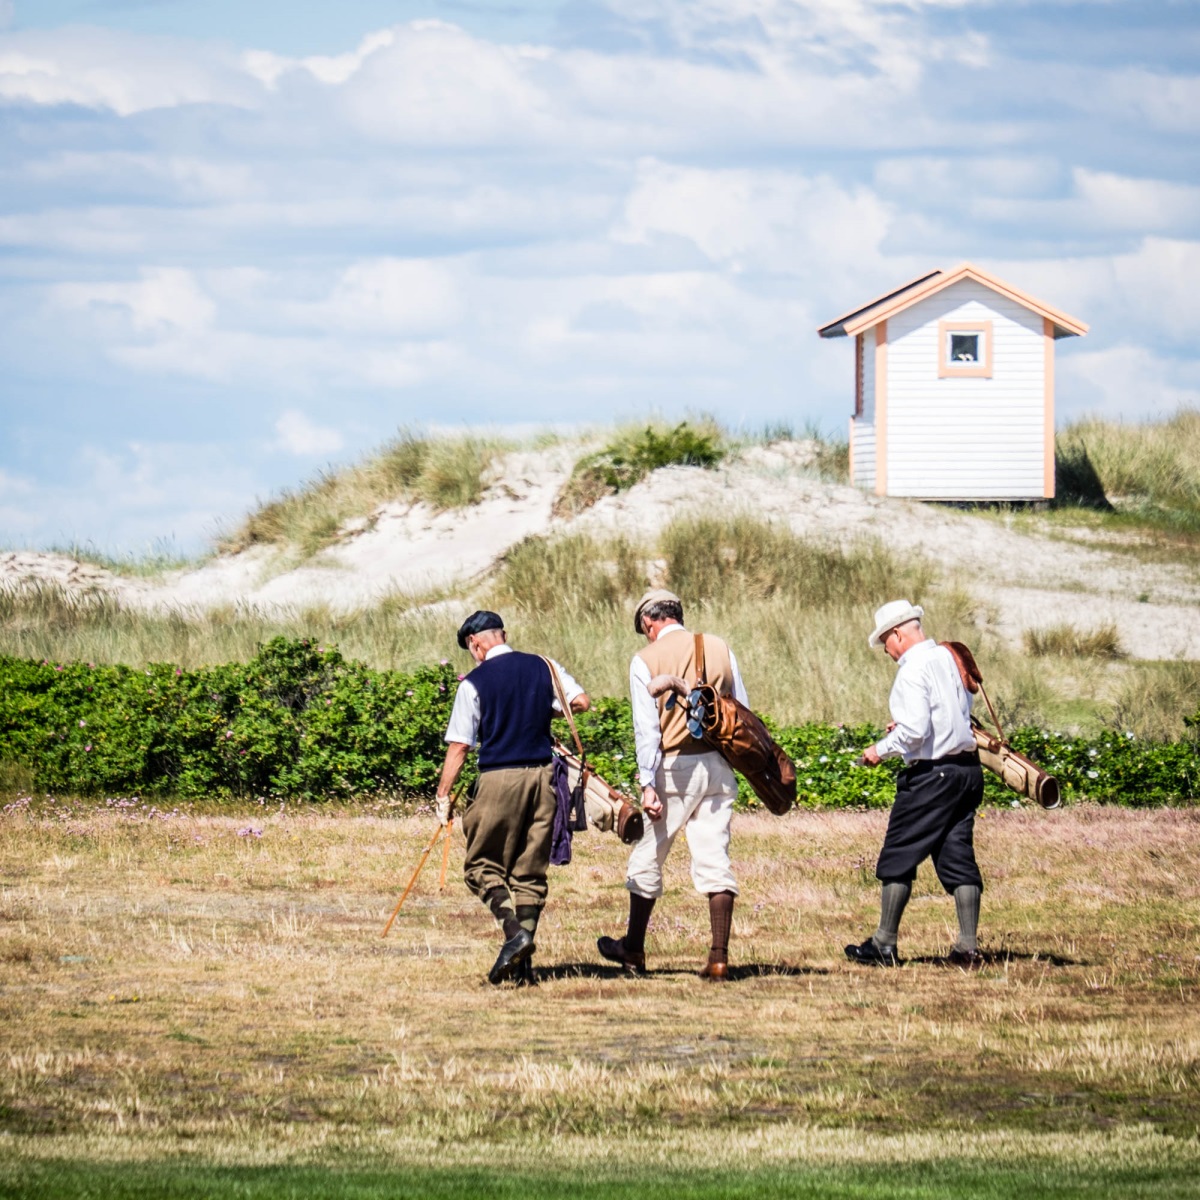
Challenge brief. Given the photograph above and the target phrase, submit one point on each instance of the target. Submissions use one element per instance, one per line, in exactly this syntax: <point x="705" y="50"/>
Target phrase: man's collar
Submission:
<point x="670" y="629"/>
<point x="928" y="641"/>
<point x="502" y="648"/>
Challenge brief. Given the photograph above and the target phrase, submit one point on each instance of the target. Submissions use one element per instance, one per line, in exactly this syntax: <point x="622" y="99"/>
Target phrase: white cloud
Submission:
<point x="124" y="73"/>
<point x="165" y="300"/>
<point x="1130" y="382"/>
<point x="301" y="436"/>
<point x="402" y="297"/>
<point x="657" y="209"/>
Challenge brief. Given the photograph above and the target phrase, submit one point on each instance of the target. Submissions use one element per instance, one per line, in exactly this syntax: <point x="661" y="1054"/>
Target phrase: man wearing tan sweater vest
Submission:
<point x="685" y="785"/>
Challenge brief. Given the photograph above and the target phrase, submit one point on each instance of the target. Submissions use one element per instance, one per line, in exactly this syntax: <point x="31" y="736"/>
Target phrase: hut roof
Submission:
<point x="868" y="315"/>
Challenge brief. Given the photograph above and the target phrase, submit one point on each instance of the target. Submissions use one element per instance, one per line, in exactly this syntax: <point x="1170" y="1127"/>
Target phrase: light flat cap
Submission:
<point x="653" y="596"/>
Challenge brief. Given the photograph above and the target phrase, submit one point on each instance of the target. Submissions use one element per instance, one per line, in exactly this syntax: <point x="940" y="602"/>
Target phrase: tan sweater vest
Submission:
<point x="675" y="654"/>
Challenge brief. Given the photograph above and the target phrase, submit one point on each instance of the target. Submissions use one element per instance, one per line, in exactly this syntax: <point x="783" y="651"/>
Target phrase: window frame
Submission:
<point x="975" y="370"/>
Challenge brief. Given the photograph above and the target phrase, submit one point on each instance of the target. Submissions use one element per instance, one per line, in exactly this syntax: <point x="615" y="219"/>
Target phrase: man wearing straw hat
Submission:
<point x="938" y="791"/>
<point x="506" y="704"/>
<point x="685" y="785"/>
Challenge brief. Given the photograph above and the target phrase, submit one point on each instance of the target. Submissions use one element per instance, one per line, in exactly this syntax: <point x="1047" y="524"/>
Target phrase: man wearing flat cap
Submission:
<point x="686" y="785"/>
<point x="938" y="791"/>
<point x="506" y="705"/>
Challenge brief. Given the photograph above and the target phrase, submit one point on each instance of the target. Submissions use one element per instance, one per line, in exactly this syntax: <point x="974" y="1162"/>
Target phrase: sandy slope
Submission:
<point x="1027" y="580"/>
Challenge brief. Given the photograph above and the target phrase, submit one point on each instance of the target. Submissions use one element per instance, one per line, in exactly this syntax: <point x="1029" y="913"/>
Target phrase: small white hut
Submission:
<point x="954" y="389"/>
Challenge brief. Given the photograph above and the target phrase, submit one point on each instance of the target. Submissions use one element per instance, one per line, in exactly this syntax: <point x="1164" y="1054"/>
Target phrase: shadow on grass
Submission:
<point x="997" y="958"/>
<point x="593" y="970"/>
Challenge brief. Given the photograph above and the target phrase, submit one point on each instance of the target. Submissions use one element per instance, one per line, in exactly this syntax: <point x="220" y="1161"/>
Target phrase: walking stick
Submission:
<point x="440" y="831"/>
<point x="445" y="856"/>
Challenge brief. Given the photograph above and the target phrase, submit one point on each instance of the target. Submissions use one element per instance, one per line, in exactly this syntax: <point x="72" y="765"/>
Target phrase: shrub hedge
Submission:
<point x="300" y="721"/>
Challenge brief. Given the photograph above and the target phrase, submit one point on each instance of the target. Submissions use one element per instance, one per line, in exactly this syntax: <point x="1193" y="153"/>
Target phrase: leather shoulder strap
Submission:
<point x="562" y="702"/>
<point x="700" y="676"/>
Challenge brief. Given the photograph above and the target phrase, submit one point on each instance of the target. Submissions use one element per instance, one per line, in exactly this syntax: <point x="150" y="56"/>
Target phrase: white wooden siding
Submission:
<point x="864" y="426"/>
<point x="961" y="439"/>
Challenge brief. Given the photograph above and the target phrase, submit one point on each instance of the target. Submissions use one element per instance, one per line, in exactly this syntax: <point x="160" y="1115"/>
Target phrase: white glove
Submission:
<point x="445" y="809"/>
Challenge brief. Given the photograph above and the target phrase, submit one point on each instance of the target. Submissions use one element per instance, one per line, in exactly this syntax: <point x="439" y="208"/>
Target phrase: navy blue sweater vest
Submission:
<point x="515" y="695"/>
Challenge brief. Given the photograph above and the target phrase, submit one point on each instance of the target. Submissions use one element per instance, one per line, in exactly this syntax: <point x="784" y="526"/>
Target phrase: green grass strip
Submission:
<point x="943" y="1180"/>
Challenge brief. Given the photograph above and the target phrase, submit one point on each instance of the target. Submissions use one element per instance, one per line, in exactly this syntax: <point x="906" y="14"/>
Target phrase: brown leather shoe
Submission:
<point x="718" y="972"/>
<point x="614" y="950"/>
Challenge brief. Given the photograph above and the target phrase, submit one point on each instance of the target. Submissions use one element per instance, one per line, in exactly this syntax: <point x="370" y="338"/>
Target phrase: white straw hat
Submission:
<point x="893" y="613"/>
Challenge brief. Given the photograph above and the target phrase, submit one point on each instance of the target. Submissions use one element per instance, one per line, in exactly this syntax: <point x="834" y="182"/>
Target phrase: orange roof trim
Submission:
<point x="868" y="315"/>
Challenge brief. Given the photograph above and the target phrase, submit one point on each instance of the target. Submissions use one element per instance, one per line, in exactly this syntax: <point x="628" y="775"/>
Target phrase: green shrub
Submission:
<point x="629" y="459"/>
<point x="297" y="720"/>
<point x="300" y="721"/>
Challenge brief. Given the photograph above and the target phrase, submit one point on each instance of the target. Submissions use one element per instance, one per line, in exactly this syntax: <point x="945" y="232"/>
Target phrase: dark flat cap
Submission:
<point x="477" y="622"/>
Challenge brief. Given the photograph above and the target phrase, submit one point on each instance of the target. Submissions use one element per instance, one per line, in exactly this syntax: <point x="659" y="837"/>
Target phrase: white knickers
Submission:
<point x="697" y="791"/>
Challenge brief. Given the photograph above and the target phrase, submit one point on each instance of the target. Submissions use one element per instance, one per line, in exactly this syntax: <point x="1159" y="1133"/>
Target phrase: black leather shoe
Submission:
<point x="871" y="954"/>
<point x="969" y="960"/>
<point x="614" y="950"/>
<point x="523" y="976"/>
<point x="514" y="952"/>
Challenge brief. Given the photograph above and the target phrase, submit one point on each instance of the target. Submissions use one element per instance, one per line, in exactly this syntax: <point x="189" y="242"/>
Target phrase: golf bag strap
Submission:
<point x="562" y="700"/>
<point x="700" y="679"/>
<point x="991" y="710"/>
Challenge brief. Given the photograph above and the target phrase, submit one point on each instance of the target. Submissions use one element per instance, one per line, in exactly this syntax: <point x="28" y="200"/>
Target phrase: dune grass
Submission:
<point x="1067" y="641"/>
<point x="183" y="991"/>
<point x="444" y="472"/>
<point x="1147" y="474"/>
<point x="793" y="608"/>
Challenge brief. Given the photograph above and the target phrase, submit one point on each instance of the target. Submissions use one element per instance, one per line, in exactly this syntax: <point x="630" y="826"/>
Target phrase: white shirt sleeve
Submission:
<point x="647" y="730"/>
<point x="910" y="709"/>
<point x="739" y="688"/>
<point x="464" y="716"/>
<point x="570" y="688"/>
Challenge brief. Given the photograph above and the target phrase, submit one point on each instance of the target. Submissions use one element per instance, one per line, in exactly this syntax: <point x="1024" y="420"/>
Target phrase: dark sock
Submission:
<point x="720" y="916"/>
<point x="500" y="903"/>
<point x="529" y="915"/>
<point x="966" y="904"/>
<point x="895" y="896"/>
<point x="639" y="918"/>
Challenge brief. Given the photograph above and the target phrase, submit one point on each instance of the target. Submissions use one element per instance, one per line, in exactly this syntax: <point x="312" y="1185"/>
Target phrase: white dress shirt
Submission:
<point x="647" y="729"/>
<point x="464" y="716"/>
<point x="930" y="706"/>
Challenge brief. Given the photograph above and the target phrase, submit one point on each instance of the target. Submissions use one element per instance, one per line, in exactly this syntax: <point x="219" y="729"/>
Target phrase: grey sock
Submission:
<point x="895" y="896"/>
<point x="966" y="904"/>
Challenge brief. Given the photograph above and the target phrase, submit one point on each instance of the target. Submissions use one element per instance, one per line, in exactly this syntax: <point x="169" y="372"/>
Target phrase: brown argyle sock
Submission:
<point x="720" y="916"/>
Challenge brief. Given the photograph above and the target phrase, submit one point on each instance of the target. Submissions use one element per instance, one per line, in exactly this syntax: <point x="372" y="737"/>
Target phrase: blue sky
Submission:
<point x="241" y="241"/>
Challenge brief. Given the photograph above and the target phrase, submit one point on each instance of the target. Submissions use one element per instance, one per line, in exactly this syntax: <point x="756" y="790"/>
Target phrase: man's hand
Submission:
<point x="870" y="757"/>
<point x="652" y="806"/>
<point x="445" y="809"/>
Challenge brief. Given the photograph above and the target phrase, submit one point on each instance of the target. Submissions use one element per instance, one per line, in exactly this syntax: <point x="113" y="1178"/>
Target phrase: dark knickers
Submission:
<point x="934" y="817"/>
<point x="508" y="826"/>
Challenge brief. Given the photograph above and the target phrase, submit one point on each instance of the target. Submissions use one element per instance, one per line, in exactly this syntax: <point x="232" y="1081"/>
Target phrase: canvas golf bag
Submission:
<point x="1016" y="770"/>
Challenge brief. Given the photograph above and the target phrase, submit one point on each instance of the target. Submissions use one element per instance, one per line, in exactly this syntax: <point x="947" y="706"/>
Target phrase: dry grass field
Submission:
<point x="201" y="1004"/>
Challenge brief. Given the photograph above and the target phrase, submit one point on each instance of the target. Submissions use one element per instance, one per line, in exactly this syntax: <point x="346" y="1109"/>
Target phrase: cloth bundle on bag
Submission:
<point x="582" y="796"/>
<point x="741" y="738"/>
<point x="607" y="809"/>
<point x="1017" y="771"/>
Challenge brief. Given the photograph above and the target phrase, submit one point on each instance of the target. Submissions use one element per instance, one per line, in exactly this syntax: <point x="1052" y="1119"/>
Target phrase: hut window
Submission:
<point x="965" y="349"/>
